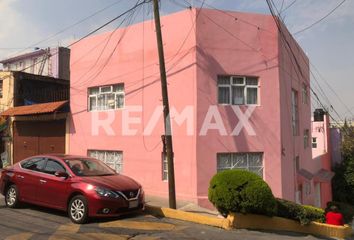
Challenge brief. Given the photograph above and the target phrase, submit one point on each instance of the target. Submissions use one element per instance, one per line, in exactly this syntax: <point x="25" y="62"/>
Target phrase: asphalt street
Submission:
<point x="35" y="223"/>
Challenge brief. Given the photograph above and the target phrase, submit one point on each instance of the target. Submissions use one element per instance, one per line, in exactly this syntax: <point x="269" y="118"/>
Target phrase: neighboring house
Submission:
<point x="336" y="144"/>
<point x="236" y="97"/>
<point x="322" y="158"/>
<point x="52" y="62"/>
<point x="38" y="127"/>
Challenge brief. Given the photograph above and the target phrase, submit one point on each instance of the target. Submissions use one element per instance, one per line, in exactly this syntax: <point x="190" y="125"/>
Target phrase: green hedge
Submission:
<point x="303" y="214"/>
<point x="344" y="208"/>
<point x="241" y="191"/>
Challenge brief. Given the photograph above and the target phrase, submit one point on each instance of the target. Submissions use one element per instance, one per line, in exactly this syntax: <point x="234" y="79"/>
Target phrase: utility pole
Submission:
<point x="166" y="110"/>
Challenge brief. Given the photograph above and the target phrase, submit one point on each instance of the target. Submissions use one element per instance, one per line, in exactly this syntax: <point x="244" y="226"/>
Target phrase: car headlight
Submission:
<point x="106" y="193"/>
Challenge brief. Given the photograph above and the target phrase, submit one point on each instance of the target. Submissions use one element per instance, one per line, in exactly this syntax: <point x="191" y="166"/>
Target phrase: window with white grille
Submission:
<point x="238" y="90"/>
<point x="114" y="159"/>
<point x="252" y="162"/>
<point x="106" y="97"/>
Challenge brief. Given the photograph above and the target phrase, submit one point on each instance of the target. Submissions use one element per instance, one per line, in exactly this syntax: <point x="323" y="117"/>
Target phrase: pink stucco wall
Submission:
<point x="135" y="63"/>
<point x="294" y="73"/>
<point x="204" y="44"/>
<point x="238" y="48"/>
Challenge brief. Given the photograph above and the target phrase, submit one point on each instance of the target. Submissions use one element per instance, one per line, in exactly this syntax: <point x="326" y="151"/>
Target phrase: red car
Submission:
<point x="82" y="186"/>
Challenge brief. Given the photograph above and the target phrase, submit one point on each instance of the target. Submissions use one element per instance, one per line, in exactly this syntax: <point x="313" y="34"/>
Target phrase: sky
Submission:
<point x="328" y="44"/>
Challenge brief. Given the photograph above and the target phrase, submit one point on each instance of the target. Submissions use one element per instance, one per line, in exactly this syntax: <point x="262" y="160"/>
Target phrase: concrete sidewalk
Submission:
<point x="181" y="205"/>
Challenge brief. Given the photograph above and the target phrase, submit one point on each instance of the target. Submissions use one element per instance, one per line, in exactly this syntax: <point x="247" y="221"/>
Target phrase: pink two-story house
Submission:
<point x="236" y="96"/>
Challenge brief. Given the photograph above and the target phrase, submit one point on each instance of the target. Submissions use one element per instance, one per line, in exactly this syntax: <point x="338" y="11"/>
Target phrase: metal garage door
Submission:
<point x="32" y="138"/>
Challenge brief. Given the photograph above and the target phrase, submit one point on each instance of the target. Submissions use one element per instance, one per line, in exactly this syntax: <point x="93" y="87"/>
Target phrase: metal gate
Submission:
<point x="37" y="137"/>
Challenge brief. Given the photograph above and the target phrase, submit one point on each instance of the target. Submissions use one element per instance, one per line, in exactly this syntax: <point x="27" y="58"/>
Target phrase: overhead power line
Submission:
<point x="68" y="27"/>
<point x="87" y="35"/>
<point x="90" y="79"/>
<point x="331" y="88"/>
<point x="318" y="21"/>
<point x="269" y="2"/>
<point x="287" y="7"/>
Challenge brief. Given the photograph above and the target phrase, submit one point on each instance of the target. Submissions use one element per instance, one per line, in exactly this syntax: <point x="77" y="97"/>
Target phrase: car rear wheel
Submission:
<point x="11" y="197"/>
<point x="78" y="209"/>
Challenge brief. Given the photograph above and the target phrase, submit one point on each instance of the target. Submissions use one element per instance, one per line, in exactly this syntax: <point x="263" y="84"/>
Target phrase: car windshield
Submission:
<point x="89" y="167"/>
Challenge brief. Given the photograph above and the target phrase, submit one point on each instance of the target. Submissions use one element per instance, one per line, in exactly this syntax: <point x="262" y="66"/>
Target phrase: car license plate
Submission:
<point x="133" y="204"/>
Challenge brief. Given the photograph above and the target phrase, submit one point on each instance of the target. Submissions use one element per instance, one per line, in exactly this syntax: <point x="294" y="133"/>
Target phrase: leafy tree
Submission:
<point x="343" y="181"/>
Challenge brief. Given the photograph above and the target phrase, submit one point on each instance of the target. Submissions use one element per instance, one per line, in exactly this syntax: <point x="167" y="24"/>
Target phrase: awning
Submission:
<point x="303" y="174"/>
<point x="34" y="109"/>
<point x="324" y="175"/>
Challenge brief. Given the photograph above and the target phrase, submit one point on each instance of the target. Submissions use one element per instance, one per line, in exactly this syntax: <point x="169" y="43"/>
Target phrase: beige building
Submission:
<point x="52" y="62"/>
<point x="20" y="130"/>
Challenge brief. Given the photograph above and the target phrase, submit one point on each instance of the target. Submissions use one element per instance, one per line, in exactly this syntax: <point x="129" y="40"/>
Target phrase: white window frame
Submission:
<point x="101" y="92"/>
<point x="244" y="84"/>
<point x="93" y="153"/>
<point x="314" y="142"/>
<point x="247" y="167"/>
<point x="295" y="112"/>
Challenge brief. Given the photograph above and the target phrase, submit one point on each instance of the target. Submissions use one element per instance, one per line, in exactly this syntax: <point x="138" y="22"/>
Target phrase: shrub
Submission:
<point x="241" y="191"/>
<point x="315" y="214"/>
<point x="303" y="214"/>
<point x="344" y="208"/>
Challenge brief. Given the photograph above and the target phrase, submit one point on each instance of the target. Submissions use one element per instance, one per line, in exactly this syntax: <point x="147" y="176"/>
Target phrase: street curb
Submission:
<point x="190" y="217"/>
<point x="260" y="222"/>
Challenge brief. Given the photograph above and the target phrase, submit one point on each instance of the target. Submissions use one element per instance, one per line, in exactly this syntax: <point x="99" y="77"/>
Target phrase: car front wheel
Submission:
<point x="78" y="209"/>
<point x="11" y="197"/>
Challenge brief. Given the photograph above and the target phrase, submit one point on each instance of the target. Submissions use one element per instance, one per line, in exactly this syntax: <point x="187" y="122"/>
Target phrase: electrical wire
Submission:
<point x="287" y="7"/>
<point x="238" y="19"/>
<point x="331" y="88"/>
<point x="95" y="75"/>
<point x="299" y="68"/>
<point x="321" y="19"/>
<point x="103" y="50"/>
<point x="87" y="35"/>
<point x="293" y="56"/>
<point x="69" y="27"/>
<point x="180" y="4"/>
<point x="82" y="38"/>
<point x="187" y="36"/>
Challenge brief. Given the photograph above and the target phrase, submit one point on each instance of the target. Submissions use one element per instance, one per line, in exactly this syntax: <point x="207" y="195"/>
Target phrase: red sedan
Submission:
<point x="82" y="186"/>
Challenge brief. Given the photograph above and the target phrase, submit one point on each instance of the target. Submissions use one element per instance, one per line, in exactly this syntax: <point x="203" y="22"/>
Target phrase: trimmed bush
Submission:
<point x="241" y="191"/>
<point x="303" y="214"/>
<point x="345" y="209"/>
<point x="315" y="214"/>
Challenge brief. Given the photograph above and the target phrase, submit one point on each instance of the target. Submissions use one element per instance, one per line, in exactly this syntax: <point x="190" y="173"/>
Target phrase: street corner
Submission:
<point x="135" y="227"/>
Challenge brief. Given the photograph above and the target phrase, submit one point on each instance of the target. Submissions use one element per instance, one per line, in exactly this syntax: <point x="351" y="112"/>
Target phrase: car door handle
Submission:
<point x="42" y="181"/>
<point x="20" y="176"/>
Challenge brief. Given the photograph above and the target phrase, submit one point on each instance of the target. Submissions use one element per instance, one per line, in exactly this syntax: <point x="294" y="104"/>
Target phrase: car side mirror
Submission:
<point x="61" y="174"/>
